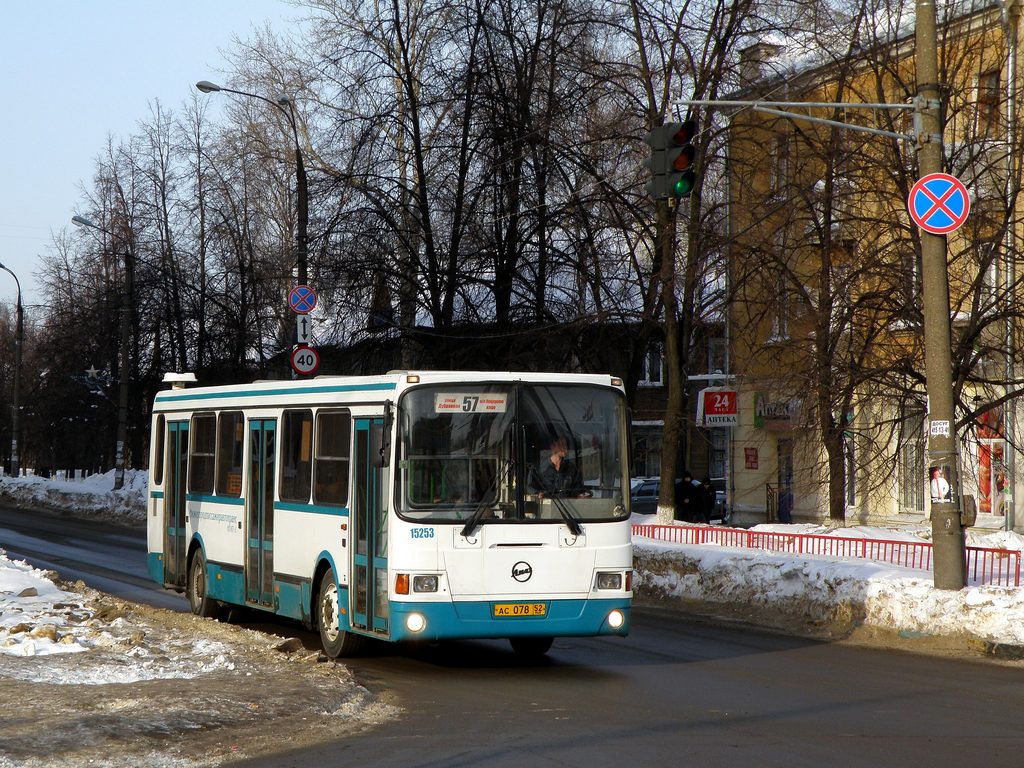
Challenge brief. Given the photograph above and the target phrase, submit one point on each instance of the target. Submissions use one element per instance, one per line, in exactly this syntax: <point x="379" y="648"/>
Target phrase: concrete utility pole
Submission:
<point x="947" y="530"/>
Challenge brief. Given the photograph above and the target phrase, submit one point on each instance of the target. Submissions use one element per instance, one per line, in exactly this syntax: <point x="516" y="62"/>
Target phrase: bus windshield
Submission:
<point x="494" y="453"/>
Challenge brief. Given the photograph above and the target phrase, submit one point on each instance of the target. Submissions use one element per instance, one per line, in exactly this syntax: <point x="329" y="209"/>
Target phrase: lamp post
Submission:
<point x="284" y="105"/>
<point x="124" y="322"/>
<point x="19" y="338"/>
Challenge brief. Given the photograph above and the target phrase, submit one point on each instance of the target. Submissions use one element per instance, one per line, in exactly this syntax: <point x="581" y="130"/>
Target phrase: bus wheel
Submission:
<point x="198" y="598"/>
<point x="335" y="640"/>
<point x="531" y="647"/>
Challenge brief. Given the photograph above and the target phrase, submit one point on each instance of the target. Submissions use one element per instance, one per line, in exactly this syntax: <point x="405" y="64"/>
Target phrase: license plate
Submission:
<point x="511" y="610"/>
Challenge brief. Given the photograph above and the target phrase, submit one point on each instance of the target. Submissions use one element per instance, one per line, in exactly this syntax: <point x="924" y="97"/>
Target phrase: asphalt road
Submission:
<point x="678" y="691"/>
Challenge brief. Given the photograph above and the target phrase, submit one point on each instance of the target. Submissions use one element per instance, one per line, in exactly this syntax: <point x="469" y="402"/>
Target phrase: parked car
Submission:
<point x="644" y="495"/>
<point x="644" y="499"/>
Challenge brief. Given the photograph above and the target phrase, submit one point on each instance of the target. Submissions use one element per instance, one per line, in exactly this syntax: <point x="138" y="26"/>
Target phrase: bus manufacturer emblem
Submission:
<point x="522" y="571"/>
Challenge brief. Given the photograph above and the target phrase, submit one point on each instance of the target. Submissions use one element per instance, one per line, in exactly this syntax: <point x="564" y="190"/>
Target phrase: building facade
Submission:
<point x="826" y="321"/>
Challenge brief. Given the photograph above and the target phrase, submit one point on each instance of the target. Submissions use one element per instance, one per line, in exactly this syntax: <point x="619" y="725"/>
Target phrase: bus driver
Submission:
<point x="560" y="475"/>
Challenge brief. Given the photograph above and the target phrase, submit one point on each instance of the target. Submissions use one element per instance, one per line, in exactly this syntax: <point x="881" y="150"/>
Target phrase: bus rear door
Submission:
<point x="259" y="513"/>
<point x="175" y="563"/>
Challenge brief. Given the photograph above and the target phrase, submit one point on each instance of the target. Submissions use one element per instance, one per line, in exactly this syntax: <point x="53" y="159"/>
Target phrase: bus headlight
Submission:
<point x="609" y="581"/>
<point x="415" y="622"/>
<point x="616" y="619"/>
<point x="424" y="583"/>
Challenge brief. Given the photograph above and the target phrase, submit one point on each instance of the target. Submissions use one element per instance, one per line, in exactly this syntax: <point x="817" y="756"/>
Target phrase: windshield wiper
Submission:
<point x="560" y="505"/>
<point x="478" y="514"/>
<point x="570" y="519"/>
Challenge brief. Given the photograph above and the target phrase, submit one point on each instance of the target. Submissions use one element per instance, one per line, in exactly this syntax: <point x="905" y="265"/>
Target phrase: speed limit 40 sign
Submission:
<point x="305" y="360"/>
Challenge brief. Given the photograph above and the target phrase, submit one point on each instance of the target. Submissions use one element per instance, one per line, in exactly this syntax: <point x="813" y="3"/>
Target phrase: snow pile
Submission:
<point x="35" y="614"/>
<point x="37" y="618"/>
<point x="832" y="596"/>
<point x="94" y="496"/>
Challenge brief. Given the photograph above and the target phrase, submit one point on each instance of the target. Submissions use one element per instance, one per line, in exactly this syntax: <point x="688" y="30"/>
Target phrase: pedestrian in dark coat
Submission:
<point x="688" y="506"/>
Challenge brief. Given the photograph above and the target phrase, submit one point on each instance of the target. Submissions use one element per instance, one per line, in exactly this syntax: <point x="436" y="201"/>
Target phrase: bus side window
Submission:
<point x="201" y="453"/>
<point x="158" y="451"/>
<point x="296" y="455"/>
<point x="333" y="433"/>
<point x="230" y="431"/>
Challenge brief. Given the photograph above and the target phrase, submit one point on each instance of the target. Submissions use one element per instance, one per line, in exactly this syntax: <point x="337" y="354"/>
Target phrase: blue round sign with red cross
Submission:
<point x="939" y="203"/>
<point x="302" y="299"/>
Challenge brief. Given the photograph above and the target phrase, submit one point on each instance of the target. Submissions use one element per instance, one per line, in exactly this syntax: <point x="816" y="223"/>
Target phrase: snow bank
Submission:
<point x="94" y="496"/>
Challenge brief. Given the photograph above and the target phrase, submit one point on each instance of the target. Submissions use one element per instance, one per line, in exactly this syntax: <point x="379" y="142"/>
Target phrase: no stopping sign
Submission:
<point x="939" y="203"/>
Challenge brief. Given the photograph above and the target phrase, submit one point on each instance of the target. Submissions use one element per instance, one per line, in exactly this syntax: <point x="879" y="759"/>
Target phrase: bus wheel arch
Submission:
<point x="197" y="588"/>
<point x="336" y="641"/>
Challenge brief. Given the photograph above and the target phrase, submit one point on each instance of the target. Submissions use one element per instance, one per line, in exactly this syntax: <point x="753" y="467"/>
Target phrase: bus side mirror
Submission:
<point x="385" y="440"/>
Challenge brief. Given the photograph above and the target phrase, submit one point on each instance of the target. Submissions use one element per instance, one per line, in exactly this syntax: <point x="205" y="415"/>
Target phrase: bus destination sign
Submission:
<point x="469" y="402"/>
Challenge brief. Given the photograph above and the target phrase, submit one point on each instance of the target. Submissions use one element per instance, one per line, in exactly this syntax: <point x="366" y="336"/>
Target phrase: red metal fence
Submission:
<point x="984" y="566"/>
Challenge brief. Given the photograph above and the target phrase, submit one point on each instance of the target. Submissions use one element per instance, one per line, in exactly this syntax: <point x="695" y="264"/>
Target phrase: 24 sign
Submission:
<point x="718" y="407"/>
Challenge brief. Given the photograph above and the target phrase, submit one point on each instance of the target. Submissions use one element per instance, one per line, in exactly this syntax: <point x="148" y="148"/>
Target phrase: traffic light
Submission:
<point x="672" y="160"/>
<point x="682" y="156"/>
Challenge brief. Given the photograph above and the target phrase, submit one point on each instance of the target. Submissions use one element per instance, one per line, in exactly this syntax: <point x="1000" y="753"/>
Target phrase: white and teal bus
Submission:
<point x="406" y="506"/>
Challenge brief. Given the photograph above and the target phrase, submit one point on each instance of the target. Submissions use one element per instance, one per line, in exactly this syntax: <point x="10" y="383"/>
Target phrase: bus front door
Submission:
<point x="259" y="513"/>
<point x="369" y="592"/>
<point x="174" y="504"/>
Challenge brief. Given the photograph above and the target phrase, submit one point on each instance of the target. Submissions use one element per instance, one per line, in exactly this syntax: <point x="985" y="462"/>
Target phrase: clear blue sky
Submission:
<point x="76" y="71"/>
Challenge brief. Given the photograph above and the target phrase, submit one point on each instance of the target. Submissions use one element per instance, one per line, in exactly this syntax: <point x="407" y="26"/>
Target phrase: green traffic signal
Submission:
<point x="682" y="155"/>
<point x="672" y="160"/>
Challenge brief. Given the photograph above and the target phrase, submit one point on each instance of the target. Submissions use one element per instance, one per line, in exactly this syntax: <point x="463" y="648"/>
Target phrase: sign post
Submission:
<point x="937" y="218"/>
<point x="305" y="360"/>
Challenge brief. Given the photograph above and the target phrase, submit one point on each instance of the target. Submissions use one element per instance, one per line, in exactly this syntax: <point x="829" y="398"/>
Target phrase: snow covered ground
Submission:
<point x="833" y="597"/>
<point x="92" y="680"/>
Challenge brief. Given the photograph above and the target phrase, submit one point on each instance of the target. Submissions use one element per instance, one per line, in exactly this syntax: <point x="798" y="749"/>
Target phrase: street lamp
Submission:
<point x="19" y="338"/>
<point x="285" y="106"/>
<point x="124" y="320"/>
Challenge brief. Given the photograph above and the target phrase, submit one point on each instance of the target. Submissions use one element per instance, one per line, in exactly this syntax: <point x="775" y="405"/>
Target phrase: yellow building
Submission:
<point x="826" y="324"/>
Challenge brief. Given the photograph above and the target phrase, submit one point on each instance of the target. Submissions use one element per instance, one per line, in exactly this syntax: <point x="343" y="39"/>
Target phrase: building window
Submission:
<point x="654" y="364"/>
<point x="779" y="164"/>
<point x="647" y="449"/>
<point x="988" y="266"/>
<point x="719" y="451"/>
<point x="988" y="103"/>
<point x="718" y="355"/>
<point x="910" y="288"/>
<point x="911" y="462"/>
<point x="780" y="317"/>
